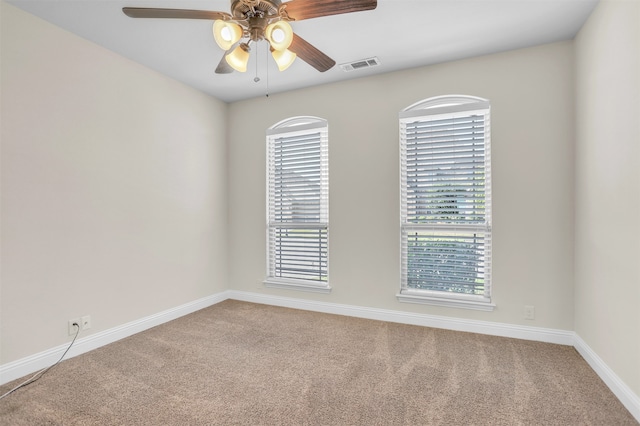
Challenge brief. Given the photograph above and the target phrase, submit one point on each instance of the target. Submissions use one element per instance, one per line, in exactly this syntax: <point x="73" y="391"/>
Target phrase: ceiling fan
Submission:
<point x="251" y="21"/>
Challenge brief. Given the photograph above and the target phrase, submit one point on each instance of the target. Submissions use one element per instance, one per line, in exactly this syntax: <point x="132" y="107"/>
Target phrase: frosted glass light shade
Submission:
<point x="226" y="33"/>
<point x="284" y="58"/>
<point x="279" y="34"/>
<point x="239" y="58"/>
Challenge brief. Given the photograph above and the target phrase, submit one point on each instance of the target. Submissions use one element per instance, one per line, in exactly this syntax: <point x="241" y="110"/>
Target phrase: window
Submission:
<point x="446" y="203"/>
<point x="298" y="204"/>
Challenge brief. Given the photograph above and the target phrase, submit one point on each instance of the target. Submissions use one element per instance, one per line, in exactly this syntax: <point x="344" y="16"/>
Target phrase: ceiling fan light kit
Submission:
<point x="257" y="20"/>
<point x="239" y="58"/>
<point x="226" y="33"/>
<point x="279" y="34"/>
<point x="284" y="58"/>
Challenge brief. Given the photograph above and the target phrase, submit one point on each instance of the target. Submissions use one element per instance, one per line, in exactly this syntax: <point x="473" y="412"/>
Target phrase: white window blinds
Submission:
<point x="446" y="200"/>
<point x="298" y="203"/>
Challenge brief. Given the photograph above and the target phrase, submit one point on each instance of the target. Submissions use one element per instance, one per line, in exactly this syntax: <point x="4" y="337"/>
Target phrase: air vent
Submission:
<point x="362" y="63"/>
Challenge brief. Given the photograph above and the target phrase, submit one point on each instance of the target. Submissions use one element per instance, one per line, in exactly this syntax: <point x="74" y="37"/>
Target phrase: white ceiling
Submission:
<point x="401" y="33"/>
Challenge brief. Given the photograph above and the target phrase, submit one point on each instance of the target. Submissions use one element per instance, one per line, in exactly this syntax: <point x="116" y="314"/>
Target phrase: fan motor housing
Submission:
<point x="243" y="9"/>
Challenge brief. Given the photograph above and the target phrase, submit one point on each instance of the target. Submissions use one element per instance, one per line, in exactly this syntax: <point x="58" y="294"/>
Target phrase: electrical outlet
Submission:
<point x="529" y="312"/>
<point x="72" y="328"/>
<point x="85" y="322"/>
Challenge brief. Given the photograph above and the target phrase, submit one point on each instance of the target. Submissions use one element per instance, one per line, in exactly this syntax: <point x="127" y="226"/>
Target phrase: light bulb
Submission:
<point x="279" y="34"/>
<point x="226" y="34"/>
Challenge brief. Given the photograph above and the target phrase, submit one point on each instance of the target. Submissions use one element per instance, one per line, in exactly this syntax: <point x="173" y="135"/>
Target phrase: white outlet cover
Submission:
<point x="86" y="322"/>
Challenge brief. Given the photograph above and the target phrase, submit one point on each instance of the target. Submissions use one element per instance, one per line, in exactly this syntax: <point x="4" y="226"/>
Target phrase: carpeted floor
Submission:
<point x="243" y="363"/>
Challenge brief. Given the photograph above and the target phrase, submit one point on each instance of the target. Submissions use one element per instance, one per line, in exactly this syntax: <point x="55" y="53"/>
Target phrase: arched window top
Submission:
<point x="297" y="123"/>
<point x="446" y="100"/>
<point x="445" y="104"/>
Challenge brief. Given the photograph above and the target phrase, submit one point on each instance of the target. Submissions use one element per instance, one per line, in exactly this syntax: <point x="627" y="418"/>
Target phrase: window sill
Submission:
<point x="477" y="303"/>
<point x="297" y="285"/>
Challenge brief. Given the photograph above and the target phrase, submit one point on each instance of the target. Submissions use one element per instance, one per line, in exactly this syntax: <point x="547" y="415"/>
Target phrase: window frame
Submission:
<point x="448" y="106"/>
<point x="297" y="126"/>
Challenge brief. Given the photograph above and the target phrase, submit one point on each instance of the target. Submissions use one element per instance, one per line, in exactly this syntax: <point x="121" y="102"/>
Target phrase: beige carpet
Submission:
<point x="243" y="363"/>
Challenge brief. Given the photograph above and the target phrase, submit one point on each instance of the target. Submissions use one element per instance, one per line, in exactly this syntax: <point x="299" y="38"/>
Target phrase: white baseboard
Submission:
<point x="628" y="398"/>
<point x="548" y="335"/>
<point x="33" y="363"/>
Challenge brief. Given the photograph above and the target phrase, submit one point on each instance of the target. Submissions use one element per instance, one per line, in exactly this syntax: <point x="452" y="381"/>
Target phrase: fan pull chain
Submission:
<point x="256" y="79"/>
<point x="267" y="68"/>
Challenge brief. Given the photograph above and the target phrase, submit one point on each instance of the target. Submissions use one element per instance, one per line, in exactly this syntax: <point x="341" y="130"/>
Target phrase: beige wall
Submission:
<point x="607" y="231"/>
<point x="531" y="94"/>
<point x="116" y="185"/>
<point x="113" y="188"/>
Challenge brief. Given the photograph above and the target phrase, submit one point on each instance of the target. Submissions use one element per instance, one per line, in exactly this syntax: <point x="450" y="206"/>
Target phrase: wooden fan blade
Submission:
<point x="144" y="12"/>
<point x="223" y="66"/>
<point x="306" y="9"/>
<point x="310" y="54"/>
